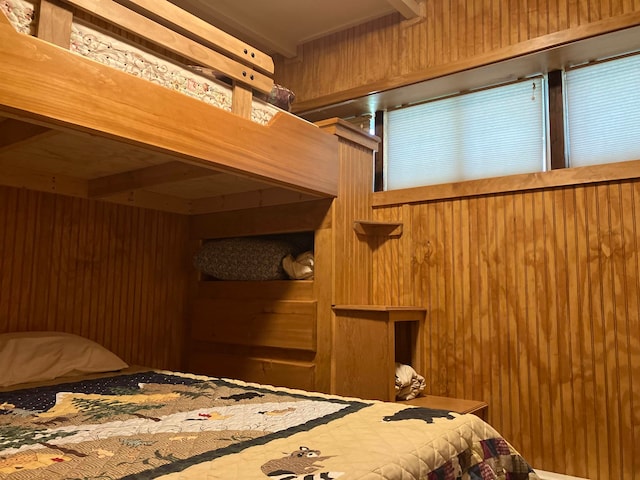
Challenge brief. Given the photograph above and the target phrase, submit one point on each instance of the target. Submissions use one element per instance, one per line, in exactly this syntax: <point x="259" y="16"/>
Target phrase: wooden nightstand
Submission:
<point x="368" y="341"/>
<point x="457" y="405"/>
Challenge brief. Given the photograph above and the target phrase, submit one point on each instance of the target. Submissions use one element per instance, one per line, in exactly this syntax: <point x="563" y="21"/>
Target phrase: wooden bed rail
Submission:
<point x="168" y="26"/>
<point x="167" y="13"/>
<point x="133" y="22"/>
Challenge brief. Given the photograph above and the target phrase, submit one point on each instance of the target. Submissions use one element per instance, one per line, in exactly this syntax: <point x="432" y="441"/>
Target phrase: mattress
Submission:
<point x="169" y="425"/>
<point x="108" y="49"/>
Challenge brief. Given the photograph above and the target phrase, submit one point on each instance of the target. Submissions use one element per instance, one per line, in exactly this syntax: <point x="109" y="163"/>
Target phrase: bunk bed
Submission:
<point x="114" y="101"/>
<point x="149" y="106"/>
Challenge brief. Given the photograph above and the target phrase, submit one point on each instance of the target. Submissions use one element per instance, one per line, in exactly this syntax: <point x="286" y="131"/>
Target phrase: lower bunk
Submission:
<point x="99" y="418"/>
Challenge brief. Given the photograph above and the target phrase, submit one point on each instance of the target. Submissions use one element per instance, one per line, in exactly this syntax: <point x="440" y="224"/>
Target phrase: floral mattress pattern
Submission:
<point x="178" y="426"/>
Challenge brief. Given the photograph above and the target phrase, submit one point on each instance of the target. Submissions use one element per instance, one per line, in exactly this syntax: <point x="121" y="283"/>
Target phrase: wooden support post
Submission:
<point x="242" y="96"/>
<point x="54" y="23"/>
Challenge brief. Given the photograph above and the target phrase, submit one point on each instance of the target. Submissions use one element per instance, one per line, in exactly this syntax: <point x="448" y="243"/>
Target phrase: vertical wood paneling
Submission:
<point x="388" y="277"/>
<point x="533" y="307"/>
<point x="352" y="285"/>
<point x="452" y="30"/>
<point x="114" y="274"/>
<point x="632" y="213"/>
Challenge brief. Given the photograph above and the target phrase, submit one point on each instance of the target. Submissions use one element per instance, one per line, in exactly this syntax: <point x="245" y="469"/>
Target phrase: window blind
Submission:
<point x="603" y="112"/>
<point x="487" y="133"/>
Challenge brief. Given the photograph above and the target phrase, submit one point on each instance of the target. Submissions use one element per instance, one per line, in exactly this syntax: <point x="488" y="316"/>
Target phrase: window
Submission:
<point x="603" y="111"/>
<point x="485" y="133"/>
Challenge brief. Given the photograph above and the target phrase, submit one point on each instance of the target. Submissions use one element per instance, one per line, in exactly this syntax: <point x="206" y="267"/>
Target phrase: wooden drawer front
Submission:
<point x="274" y="290"/>
<point x="260" y="370"/>
<point x="280" y="324"/>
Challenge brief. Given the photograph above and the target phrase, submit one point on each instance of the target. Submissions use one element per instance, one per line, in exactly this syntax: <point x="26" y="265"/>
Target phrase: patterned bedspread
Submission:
<point x="177" y="426"/>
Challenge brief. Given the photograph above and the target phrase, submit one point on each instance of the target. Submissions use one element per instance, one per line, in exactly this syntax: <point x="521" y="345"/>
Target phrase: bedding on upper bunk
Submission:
<point x="104" y="47"/>
<point x="159" y="424"/>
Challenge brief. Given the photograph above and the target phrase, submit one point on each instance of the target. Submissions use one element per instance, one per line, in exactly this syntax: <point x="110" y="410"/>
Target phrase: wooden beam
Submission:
<point x="152" y="200"/>
<point x="408" y="8"/>
<point x="137" y="24"/>
<point x="145" y="177"/>
<point x="166" y="12"/>
<point x="267" y="197"/>
<point x="19" y="177"/>
<point x="14" y="132"/>
<point x="294" y="217"/>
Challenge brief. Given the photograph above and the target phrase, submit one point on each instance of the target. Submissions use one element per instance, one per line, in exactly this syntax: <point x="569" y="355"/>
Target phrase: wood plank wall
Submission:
<point x="382" y="52"/>
<point x="112" y="273"/>
<point x="351" y="263"/>
<point x="534" y="307"/>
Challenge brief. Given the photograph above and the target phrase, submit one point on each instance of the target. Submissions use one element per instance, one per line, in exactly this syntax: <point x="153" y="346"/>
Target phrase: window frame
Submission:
<point x="557" y="148"/>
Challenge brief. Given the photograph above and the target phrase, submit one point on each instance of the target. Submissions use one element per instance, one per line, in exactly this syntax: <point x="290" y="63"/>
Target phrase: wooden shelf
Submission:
<point x="457" y="405"/>
<point x="377" y="229"/>
<point x="389" y="313"/>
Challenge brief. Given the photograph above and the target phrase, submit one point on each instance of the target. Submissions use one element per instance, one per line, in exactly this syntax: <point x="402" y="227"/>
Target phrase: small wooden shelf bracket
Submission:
<point x="377" y="229"/>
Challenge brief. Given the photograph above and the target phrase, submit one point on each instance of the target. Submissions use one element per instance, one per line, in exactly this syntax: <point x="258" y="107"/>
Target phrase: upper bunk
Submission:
<point x="141" y="103"/>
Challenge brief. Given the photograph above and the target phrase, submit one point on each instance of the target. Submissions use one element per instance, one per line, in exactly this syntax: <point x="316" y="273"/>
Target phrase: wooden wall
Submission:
<point x="351" y="263"/>
<point x="390" y="52"/>
<point x="533" y="295"/>
<point x="112" y="273"/>
<point x="534" y="307"/>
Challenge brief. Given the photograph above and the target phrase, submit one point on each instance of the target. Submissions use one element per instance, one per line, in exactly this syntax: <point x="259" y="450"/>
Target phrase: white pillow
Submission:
<point x="38" y="356"/>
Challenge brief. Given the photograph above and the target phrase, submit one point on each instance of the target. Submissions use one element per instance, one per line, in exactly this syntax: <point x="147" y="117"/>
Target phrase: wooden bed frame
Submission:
<point x="71" y="125"/>
<point x="93" y="134"/>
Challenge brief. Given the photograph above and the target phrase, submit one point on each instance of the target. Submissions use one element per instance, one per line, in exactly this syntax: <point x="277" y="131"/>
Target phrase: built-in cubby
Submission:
<point x="264" y="331"/>
<point x="259" y="330"/>
<point x="256" y="257"/>
<point x="368" y="341"/>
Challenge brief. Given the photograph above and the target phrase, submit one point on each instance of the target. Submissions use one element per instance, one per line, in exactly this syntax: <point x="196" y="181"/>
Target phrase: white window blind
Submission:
<point x="488" y="133"/>
<point x="603" y="112"/>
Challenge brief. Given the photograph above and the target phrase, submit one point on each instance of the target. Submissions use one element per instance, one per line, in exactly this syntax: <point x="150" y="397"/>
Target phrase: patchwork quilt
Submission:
<point x="169" y="425"/>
